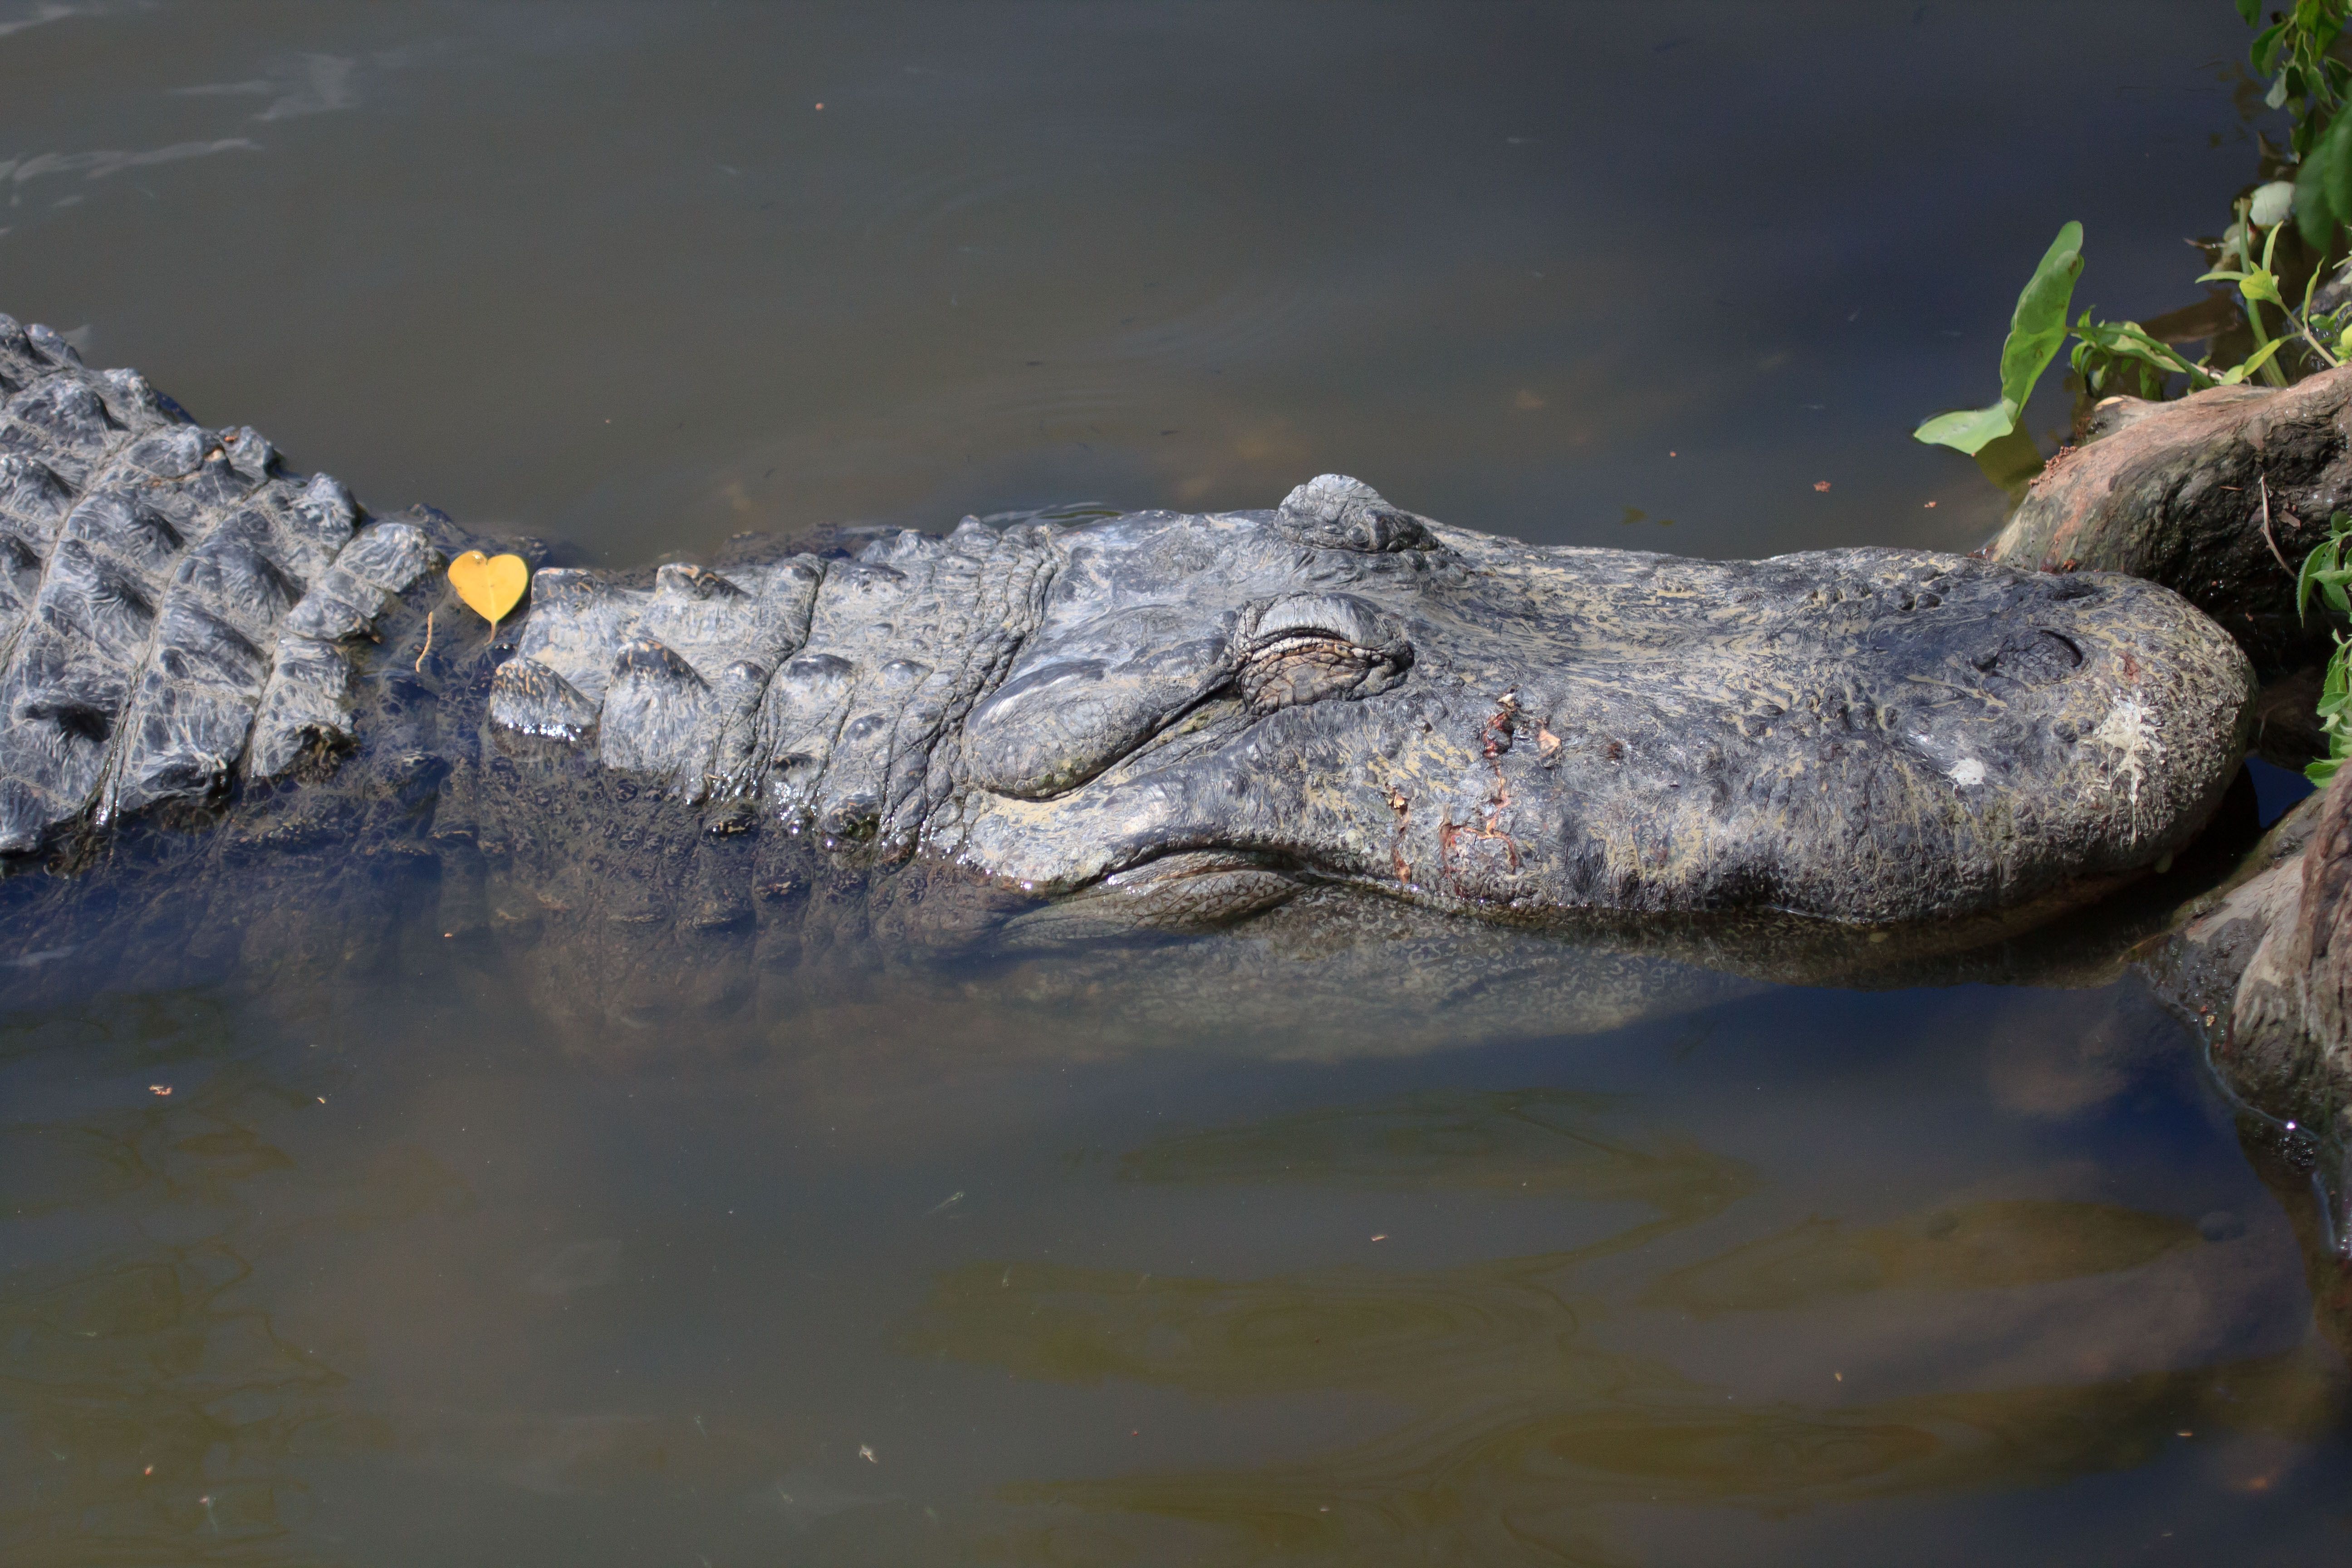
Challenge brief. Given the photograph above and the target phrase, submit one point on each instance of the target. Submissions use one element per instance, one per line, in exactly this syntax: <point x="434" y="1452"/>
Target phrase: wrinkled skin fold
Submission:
<point x="1152" y="721"/>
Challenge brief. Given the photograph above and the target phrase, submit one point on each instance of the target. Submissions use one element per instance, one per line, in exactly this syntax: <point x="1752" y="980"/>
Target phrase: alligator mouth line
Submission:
<point x="1211" y="857"/>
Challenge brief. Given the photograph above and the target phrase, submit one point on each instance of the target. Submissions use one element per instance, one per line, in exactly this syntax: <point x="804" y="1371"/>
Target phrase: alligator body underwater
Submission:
<point x="1090" y="723"/>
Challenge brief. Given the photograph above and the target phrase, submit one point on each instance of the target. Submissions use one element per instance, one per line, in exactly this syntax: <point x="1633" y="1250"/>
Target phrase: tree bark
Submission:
<point x="2218" y="496"/>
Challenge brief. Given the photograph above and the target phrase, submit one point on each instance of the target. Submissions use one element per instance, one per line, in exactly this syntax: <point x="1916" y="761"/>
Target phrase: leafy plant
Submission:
<point x="2310" y="83"/>
<point x="2122" y="355"/>
<point x="2325" y="572"/>
<point x="2296" y="51"/>
<point x="2322" y="185"/>
<point x="2307" y="81"/>
<point x="2259" y="285"/>
<point x="2037" y="329"/>
<point x="2333" y="698"/>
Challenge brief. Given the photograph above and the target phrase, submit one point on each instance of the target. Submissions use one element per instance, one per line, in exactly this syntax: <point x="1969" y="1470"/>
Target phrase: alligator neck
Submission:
<point x="826" y="688"/>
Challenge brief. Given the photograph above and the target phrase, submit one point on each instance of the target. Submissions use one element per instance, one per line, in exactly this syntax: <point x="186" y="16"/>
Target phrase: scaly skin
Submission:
<point x="1155" y="719"/>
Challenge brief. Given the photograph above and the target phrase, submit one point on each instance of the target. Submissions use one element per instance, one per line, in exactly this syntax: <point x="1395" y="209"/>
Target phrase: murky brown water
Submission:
<point x="1180" y="1268"/>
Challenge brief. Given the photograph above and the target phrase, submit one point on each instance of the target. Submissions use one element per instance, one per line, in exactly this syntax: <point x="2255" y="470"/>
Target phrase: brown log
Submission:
<point x="2179" y="493"/>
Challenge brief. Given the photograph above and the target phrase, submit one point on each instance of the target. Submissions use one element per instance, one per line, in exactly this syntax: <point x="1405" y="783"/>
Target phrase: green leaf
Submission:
<point x="2304" y="579"/>
<point x="2264" y="55"/>
<point x="2319" y="772"/>
<point x="2038" y="326"/>
<point x="1969" y="429"/>
<point x="2237" y="374"/>
<point x="2037" y="329"/>
<point x="2035" y="337"/>
<point x="2252" y="10"/>
<point x="2323" y="188"/>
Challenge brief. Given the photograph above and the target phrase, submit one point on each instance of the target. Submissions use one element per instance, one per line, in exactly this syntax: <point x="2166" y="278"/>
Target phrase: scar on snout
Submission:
<point x="1497" y="734"/>
<point x="1450" y="832"/>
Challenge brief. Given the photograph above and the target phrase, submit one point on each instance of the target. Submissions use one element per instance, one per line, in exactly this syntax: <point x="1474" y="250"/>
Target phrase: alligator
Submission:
<point x="1050" y="725"/>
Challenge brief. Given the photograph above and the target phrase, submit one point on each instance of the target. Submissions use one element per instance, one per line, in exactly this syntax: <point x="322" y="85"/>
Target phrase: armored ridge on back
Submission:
<point x="171" y="605"/>
<point x="1165" y="719"/>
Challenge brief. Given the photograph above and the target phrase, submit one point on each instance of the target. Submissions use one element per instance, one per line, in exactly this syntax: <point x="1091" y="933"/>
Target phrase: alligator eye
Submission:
<point x="1313" y="666"/>
<point x="1318" y="647"/>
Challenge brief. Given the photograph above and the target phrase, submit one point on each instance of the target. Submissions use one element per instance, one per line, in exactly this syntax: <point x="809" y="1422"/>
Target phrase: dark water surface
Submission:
<point x="1243" y="1251"/>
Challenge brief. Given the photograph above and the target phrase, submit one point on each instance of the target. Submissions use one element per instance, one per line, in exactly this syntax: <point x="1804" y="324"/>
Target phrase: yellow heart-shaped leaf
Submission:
<point x="491" y="584"/>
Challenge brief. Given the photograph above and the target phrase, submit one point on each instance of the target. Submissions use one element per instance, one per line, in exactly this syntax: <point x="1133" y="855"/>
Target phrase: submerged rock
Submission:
<point x="2264" y="964"/>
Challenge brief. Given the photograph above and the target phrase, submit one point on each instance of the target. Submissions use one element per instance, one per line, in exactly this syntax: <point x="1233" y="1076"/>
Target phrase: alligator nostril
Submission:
<point x="2031" y="658"/>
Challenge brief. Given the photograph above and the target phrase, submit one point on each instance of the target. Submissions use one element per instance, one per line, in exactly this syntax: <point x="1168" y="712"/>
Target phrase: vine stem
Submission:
<point x="2268" y="537"/>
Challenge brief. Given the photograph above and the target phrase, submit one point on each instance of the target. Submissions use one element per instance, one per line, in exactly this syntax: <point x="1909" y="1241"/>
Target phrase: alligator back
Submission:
<point x="173" y="607"/>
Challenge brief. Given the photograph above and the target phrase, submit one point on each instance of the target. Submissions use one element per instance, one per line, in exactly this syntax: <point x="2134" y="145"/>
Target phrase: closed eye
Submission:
<point x="1300" y="666"/>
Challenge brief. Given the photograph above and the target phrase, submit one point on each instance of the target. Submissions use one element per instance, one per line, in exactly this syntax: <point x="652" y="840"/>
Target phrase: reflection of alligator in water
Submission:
<point x="180" y="1382"/>
<point x="1159" y="719"/>
<point x="1524" y="1414"/>
<point x="1526" y="1142"/>
<point x="1527" y="1415"/>
<point x="2005" y="1242"/>
<point x="1542" y="1476"/>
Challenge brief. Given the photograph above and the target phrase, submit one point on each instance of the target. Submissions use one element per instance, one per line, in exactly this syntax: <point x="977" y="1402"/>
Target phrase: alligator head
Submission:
<point x="1209" y="707"/>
